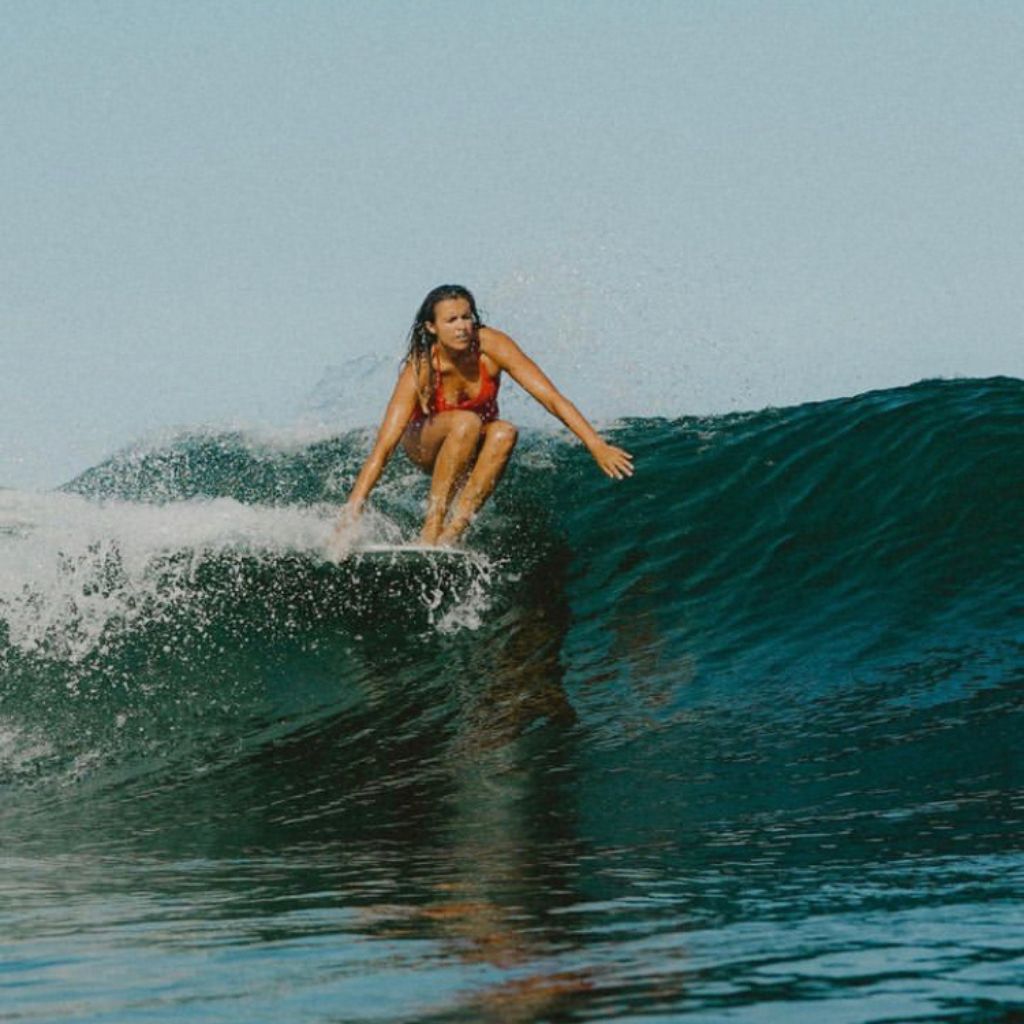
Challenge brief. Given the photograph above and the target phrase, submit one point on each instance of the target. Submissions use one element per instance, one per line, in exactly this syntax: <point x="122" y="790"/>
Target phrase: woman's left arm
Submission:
<point x="613" y="461"/>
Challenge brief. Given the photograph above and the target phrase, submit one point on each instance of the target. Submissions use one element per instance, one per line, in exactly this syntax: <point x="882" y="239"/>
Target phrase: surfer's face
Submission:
<point x="453" y="323"/>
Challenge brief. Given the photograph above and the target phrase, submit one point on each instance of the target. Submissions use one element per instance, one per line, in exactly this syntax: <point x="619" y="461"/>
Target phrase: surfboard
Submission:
<point x="410" y="551"/>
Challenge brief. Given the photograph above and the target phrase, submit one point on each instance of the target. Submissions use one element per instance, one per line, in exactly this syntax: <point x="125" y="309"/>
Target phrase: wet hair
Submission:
<point x="420" y="339"/>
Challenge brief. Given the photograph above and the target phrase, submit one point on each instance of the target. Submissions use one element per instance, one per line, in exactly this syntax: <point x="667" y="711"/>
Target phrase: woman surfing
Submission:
<point x="444" y="413"/>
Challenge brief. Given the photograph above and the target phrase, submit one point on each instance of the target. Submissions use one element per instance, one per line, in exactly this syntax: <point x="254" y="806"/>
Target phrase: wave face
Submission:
<point x="742" y="732"/>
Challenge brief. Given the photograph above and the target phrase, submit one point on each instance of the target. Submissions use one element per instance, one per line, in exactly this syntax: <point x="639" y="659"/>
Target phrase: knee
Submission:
<point x="465" y="427"/>
<point x="503" y="435"/>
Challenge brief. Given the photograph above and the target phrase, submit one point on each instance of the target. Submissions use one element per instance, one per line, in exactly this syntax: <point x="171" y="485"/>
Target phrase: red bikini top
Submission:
<point x="484" y="403"/>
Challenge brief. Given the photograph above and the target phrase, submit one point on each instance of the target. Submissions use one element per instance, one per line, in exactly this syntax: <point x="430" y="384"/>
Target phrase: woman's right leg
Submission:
<point x="445" y="446"/>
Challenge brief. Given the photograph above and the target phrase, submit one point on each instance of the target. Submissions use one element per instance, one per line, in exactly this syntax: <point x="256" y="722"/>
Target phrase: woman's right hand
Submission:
<point x="345" y="533"/>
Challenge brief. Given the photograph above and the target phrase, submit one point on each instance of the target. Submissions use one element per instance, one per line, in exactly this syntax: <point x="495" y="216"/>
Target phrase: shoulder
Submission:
<point x="498" y="347"/>
<point x="491" y="339"/>
<point x="416" y="369"/>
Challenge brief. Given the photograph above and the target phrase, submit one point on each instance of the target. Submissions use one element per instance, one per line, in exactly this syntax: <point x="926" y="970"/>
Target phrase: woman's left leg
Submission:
<point x="499" y="438"/>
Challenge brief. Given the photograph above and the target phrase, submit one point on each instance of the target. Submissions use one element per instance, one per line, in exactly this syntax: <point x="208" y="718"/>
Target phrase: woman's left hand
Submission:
<point x="614" y="462"/>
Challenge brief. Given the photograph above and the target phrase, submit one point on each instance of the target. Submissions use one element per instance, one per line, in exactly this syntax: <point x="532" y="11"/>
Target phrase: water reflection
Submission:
<point x="433" y="810"/>
<point x="460" y="814"/>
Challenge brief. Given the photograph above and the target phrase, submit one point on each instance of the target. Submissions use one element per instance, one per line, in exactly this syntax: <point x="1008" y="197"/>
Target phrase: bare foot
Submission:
<point x="429" y="534"/>
<point x="452" y="532"/>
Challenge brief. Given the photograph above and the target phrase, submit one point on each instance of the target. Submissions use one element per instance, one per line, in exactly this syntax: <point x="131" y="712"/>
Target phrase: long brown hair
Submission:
<point x="420" y="339"/>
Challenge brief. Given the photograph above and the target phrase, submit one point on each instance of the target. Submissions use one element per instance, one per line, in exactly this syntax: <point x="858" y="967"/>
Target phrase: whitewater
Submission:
<point x="738" y="739"/>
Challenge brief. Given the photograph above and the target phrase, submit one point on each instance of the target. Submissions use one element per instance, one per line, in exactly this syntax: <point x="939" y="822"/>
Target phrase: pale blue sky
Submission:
<point x="676" y="207"/>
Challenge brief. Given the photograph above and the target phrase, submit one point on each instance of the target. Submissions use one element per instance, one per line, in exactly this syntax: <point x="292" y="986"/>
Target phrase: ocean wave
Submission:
<point x="833" y="563"/>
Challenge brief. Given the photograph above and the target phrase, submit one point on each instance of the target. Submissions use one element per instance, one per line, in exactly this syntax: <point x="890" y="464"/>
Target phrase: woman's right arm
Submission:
<point x="396" y="418"/>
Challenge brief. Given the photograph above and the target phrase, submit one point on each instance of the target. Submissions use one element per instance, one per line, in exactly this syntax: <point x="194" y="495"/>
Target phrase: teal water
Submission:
<point x="736" y="740"/>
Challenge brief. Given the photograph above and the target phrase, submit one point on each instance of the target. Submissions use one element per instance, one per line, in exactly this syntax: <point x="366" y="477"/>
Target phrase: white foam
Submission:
<point x="20" y="749"/>
<point x="70" y="566"/>
<point x="67" y="560"/>
<point x="469" y="612"/>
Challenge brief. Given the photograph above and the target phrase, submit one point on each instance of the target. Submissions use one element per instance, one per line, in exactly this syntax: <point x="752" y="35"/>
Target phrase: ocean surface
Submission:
<point x="738" y="739"/>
